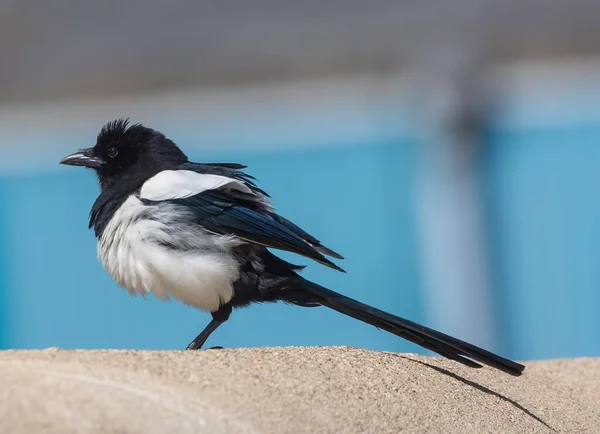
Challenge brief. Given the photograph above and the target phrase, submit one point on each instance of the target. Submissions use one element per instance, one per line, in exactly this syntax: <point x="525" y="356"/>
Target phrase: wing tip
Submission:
<point x="330" y="264"/>
<point x="328" y="252"/>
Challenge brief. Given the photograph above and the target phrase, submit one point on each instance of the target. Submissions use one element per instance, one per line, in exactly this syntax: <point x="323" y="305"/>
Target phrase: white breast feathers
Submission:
<point x="139" y="250"/>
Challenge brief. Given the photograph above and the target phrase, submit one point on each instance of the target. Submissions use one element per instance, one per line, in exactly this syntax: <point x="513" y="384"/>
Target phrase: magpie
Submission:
<point x="201" y="233"/>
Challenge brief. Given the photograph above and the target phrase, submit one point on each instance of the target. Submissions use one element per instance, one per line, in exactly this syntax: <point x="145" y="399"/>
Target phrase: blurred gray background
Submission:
<point x="448" y="149"/>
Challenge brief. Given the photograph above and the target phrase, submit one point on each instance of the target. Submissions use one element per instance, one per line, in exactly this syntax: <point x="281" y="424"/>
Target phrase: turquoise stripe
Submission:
<point x="544" y="210"/>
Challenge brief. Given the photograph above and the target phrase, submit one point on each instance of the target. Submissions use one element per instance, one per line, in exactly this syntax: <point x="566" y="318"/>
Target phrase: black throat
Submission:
<point x="114" y="192"/>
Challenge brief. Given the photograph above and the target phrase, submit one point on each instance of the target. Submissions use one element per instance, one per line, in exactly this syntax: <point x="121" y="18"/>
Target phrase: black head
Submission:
<point x="125" y="151"/>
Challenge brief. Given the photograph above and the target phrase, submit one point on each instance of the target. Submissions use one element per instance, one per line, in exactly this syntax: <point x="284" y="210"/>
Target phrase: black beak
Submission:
<point x="83" y="157"/>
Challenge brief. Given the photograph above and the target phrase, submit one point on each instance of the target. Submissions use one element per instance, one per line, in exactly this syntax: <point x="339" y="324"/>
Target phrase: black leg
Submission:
<point x="219" y="317"/>
<point x="197" y="343"/>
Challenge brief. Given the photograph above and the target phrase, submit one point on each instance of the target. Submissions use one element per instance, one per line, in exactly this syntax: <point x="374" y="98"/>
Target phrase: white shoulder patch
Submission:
<point x="179" y="184"/>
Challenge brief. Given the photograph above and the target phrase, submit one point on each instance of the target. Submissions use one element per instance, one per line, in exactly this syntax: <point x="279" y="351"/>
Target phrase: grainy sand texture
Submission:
<point x="289" y="390"/>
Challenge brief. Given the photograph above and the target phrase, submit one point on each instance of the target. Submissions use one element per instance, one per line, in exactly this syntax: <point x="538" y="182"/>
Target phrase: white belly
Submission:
<point x="130" y="252"/>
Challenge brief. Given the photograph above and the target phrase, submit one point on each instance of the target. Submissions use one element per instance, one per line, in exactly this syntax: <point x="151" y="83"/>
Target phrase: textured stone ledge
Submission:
<point x="288" y="390"/>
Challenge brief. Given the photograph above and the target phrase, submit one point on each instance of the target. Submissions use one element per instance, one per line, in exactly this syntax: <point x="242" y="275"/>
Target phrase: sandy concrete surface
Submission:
<point x="288" y="390"/>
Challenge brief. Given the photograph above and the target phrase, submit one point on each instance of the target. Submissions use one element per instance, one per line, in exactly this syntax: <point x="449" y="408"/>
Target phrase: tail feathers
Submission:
<point x="440" y="343"/>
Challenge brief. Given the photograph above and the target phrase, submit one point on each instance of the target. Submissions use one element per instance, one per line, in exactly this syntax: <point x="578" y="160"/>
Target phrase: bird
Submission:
<point x="202" y="233"/>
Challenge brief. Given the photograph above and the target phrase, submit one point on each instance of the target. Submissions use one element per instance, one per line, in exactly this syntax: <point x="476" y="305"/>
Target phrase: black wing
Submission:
<point x="308" y="237"/>
<point x="222" y="213"/>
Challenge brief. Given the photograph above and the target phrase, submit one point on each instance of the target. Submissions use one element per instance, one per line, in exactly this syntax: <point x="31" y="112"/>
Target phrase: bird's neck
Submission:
<point x="114" y="191"/>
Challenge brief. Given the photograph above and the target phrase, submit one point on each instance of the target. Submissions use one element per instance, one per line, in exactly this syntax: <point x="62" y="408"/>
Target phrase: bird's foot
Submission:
<point x="193" y="347"/>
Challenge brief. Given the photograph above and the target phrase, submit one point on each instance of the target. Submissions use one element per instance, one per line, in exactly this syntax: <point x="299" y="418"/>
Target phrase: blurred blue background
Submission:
<point x="458" y="179"/>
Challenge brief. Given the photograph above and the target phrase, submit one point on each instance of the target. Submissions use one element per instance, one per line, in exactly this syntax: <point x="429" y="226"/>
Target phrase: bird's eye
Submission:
<point x="112" y="152"/>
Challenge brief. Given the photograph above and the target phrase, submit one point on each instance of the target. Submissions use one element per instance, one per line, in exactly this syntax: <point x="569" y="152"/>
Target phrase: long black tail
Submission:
<point x="440" y="343"/>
